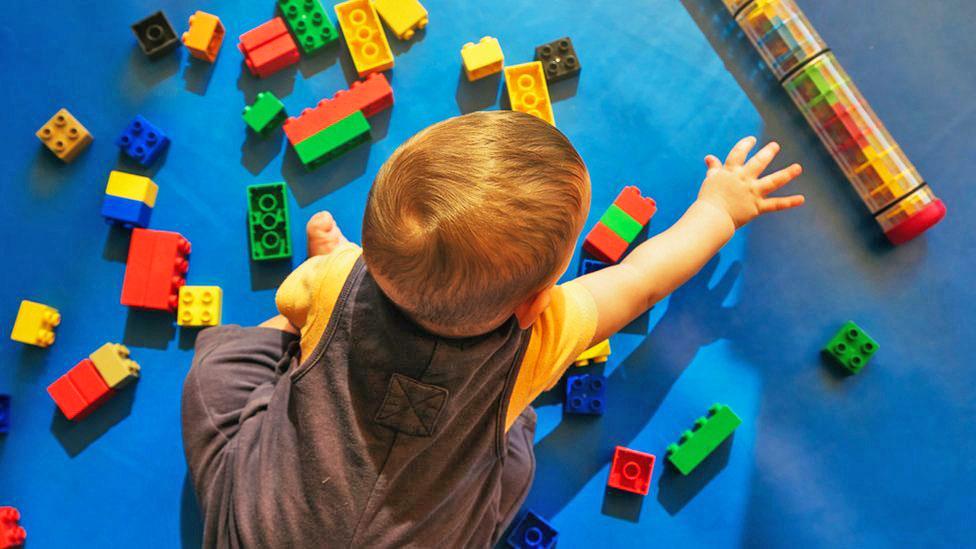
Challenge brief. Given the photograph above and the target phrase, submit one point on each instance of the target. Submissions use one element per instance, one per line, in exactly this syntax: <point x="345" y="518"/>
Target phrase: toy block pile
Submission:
<point x="129" y="199"/>
<point x="92" y="381"/>
<point x="12" y="534"/>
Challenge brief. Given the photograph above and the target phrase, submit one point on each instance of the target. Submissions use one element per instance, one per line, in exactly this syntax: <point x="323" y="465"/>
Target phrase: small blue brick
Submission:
<point x="142" y="141"/>
<point x="532" y="532"/>
<point x="126" y="212"/>
<point x="4" y="413"/>
<point x="588" y="266"/>
<point x="585" y="394"/>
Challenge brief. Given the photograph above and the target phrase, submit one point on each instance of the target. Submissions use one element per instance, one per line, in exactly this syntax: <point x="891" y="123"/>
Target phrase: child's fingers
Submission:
<point x="778" y="203"/>
<point x="761" y="159"/>
<point x="737" y="156"/>
<point x="712" y="162"/>
<point x="778" y="179"/>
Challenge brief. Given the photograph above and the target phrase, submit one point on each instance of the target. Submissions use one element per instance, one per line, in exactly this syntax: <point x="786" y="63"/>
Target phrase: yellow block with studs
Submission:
<point x="597" y="354"/>
<point x="199" y="306"/>
<point x="527" y="90"/>
<point x="113" y="363"/>
<point x="482" y="59"/>
<point x="402" y="16"/>
<point x="64" y="136"/>
<point x="133" y="187"/>
<point x="35" y="324"/>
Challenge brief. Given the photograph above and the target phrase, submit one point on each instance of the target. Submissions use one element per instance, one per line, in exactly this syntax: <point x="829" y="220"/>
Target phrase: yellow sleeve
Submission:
<point x="561" y="334"/>
<point x="306" y="298"/>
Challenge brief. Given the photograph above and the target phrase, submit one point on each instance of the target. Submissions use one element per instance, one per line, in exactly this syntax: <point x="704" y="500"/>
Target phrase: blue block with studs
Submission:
<point x="142" y="141"/>
<point x="585" y="394"/>
<point x="126" y="212"/>
<point x="532" y="532"/>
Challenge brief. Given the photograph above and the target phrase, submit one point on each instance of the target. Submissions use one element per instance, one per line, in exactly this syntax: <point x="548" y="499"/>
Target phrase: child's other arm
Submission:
<point x="732" y="195"/>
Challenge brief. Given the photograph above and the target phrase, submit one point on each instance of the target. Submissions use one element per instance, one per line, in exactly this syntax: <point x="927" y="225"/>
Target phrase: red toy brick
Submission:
<point x="80" y="391"/>
<point x="370" y="96"/>
<point x="268" y="48"/>
<point x="604" y="244"/>
<point x="640" y="208"/>
<point x="631" y="470"/>
<point x="11" y="533"/>
<point x="67" y="397"/>
<point x="156" y="269"/>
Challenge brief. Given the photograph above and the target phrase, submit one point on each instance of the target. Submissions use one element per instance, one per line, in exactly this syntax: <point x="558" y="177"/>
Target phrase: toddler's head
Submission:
<point x="474" y="219"/>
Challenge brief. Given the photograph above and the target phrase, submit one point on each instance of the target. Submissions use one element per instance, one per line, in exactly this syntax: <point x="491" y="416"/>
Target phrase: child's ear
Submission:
<point x="529" y="310"/>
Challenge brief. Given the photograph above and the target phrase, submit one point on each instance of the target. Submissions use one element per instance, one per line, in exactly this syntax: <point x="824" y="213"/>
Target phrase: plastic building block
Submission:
<point x="35" y="324"/>
<point x="585" y="394"/>
<point x="527" y="90"/>
<point x="709" y="431"/>
<point x="852" y="348"/>
<point x="131" y="186"/>
<point x="199" y="306"/>
<point x="604" y="244"/>
<point x="636" y="206"/>
<point x="368" y="96"/>
<point x="402" y="16"/>
<point x="533" y="532"/>
<point x="4" y="414"/>
<point x="156" y="268"/>
<point x="310" y="24"/>
<point x="364" y="36"/>
<point x="80" y="391"/>
<point x="265" y="114"/>
<point x="333" y="140"/>
<point x="205" y="36"/>
<point x="482" y="59"/>
<point x="558" y="59"/>
<point x="114" y="365"/>
<point x="268" y="48"/>
<point x="631" y="470"/>
<point x="622" y="222"/>
<point x="125" y="212"/>
<point x="142" y="141"/>
<point x="11" y="533"/>
<point x="267" y="220"/>
<point x="588" y="266"/>
<point x="596" y="354"/>
<point x="619" y="222"/>
<point x="155" y="35"/>
<point x="64" y="136"/>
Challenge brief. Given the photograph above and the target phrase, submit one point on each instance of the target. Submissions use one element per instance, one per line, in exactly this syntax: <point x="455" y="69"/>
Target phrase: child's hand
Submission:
<point x="736" y="187"/>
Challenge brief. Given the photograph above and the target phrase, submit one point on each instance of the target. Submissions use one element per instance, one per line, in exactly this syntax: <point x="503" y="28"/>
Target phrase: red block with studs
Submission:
<point x="11" y="533"/>
<point x="604" y="244"/>
<point x="268" y="48"/>
<point x="639" y="207"/>
<point x="157" y="266"/>
<point x="369" y="96"/>
<point x="631" y="471"/>
<point x="80" y="391"/>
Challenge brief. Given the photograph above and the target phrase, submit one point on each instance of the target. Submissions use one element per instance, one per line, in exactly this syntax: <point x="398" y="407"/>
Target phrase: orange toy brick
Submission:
<point x="268" y="48"/>
<point x="364" y="36"/>
<point x="80" y="391"/>
<point x="64" y="136"/>
<point x="11" y="533"/>
<point x="156" y="268"/>
<point x="205" y="36"/>
<point x="604" y="244"/>
<point x="369" y="96"/>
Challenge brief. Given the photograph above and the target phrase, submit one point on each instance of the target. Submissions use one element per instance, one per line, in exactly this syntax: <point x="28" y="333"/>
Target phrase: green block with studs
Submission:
<point x="697" y="444"/>
<point x="309" y="23"/>
<point x="333" y="140"/>
<point x="265" y="114"/>
<point x="852" y="348"/>
<point x="267" y="221"/>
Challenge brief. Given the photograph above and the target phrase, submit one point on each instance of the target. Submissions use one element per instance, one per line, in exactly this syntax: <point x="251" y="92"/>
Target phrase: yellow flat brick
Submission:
<point x="483" y="58"/>
<point x="402" y="16"/>
<point x="35" y="324"/>
<point x="205" y="36"/>
<point x="113" y="363"/>
<point x="527" y="90"/>
<point x="597" y="354"/>
<point x="199" y="306"/>
<point x="364" y="36"/>
<point x="131" y="186"/>
<point x="64" y="136"/>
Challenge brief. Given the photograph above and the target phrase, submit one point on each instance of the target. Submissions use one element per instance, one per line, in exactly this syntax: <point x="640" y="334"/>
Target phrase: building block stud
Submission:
<point x="125" y="212"/>
<point x="268" y="48"/>
<point x="155" y="35"/>
<point x="532" y="532"/>
<point x="205" y="36"/>
<point x="80" y="391"/>
<point x="333" y="140"/>
<point x="404" y="17"/>
<point x="482" y="59"/>
<point x="585" y="394"/>
<point x="631" y="470"/>
<point x="558" y="59"/>
<point x="156" y="268"/>
<point x="114" y="365"/>
<point x="309" y="23"/>
<point x="364" y="36"/>
<point x="142" y="141"/>
<point x="11" y="533"/>
<point x="35" y="324"/>
<point x="527" y="90"/>
<point x="708" y="432"/>
<point x="199" y="306"/>
<point x="851" y="348"/>
<point x="267" y="219"/>
<point x="265" y="114"/>
<point x="64" y="136"/>
<point x="4" y="414"/>
<point x="597" y="354"/>
<point x="368" y="96"/>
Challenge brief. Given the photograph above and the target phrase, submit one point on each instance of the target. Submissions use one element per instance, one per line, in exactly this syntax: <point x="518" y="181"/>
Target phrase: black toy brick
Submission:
<point x="559" y="59"/>
<point x="155" y="35"/>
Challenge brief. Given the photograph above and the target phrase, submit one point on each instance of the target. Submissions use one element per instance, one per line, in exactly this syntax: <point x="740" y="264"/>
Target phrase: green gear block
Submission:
<point x="265" y="114"/>
<point x="621" y="223"/>
<point x="309" y="23"/>
<point x="709" y="431"/>
<point x="267" y="221"/>
<point x="852" y="348"/>
<point x="333" y="140"/>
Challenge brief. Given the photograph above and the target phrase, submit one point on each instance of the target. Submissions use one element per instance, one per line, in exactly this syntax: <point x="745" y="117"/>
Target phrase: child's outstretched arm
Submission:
<point x="732" y="195"/>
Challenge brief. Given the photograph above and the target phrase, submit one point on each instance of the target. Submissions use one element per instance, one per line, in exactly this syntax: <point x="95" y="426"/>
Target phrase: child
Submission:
<point x="400" y="416"/>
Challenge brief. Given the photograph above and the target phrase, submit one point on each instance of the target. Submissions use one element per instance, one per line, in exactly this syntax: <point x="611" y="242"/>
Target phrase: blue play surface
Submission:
<point x="884" y="458"/>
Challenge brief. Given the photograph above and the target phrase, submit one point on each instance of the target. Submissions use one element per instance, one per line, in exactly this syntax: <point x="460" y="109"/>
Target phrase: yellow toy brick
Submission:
<point x="483" y="58"/>
<point x="64" y="136"/>
<point x="527" y="90"/>
<point x="114" y="365"/>
<point x="35" y="324"/>
<point x="199" y="306"/>
<point x="402" y="16"/>
<point x="133" y="187"/>
<point x="364" y="36"/>
<point x="205" y="36"/>
<point x="597" y="354"/>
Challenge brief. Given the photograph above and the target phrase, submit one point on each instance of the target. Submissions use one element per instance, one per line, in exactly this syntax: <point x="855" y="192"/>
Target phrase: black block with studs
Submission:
<point x="559" y="60"/>
<point x="155" y="35"/>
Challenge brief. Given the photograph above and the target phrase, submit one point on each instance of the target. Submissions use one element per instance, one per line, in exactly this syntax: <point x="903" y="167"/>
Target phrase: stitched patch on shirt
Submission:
<point x="411" y="407"/>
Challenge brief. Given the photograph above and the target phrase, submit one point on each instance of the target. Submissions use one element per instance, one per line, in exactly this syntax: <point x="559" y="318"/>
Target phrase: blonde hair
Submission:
<point x="471" y="216"/>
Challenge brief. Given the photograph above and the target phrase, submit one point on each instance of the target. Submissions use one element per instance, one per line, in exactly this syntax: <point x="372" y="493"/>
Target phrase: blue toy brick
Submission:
<point x="126" y="212"/>
<point x="588" y="266"/>
<point x="585" y="394"/>
<point x="4" y="413"/>
<point x="532" y="532"/>
<point x="142" y="141"/>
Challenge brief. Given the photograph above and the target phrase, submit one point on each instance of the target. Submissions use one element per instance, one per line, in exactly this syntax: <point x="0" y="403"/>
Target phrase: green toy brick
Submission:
<point x="267" y="220"/>
<point x="265" y="114"/>
<point x="709" y="431"/>
<point x="621" y="223"/>
<point x="333" y="140"/>
<point x="852" y="348"/>
<point x="309" y="23"/>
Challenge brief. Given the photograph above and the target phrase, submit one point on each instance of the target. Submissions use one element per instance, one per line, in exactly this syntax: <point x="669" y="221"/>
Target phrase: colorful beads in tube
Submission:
<point x="888" y="183"/>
